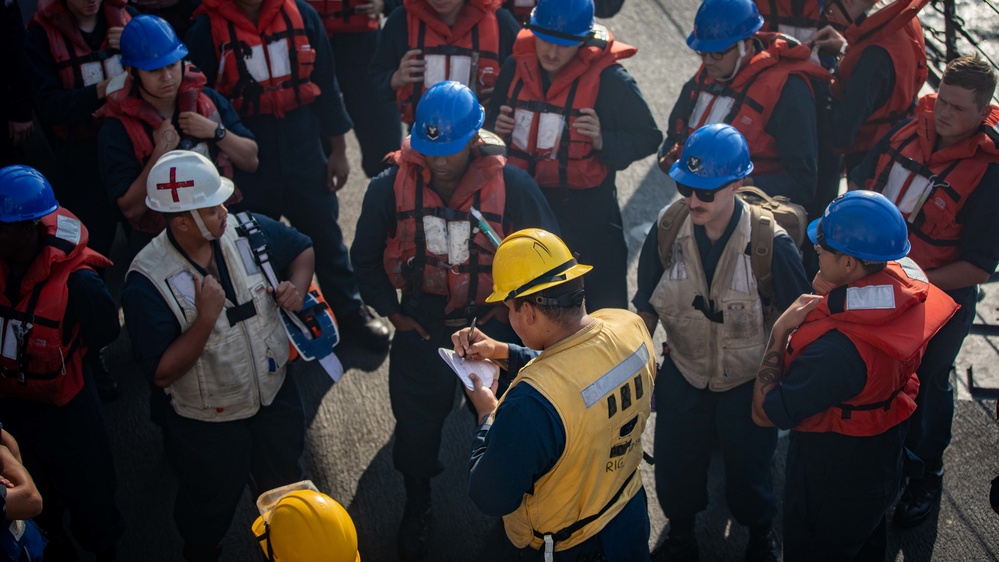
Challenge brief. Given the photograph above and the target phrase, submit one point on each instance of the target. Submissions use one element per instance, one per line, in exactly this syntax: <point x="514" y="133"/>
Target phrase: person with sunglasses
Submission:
<point x="840" y="372"/>
<point x="703" y="289"/>
<point x="761" y="83"/>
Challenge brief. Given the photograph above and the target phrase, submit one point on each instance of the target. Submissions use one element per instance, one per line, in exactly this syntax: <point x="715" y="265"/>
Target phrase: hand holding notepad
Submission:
<point x="487" y="371"/>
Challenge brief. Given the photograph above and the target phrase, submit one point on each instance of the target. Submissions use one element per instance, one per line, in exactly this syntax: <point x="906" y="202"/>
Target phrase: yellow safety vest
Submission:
<point x="600" y="381"/>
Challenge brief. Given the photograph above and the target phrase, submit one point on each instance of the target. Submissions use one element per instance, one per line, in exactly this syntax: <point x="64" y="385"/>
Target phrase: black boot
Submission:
<point x="414" y="531"/>
<point x="680" y="544"/>
<point x="762" y="546"/>
<point x="918" y="499"/>
<point x="365" y="329"/>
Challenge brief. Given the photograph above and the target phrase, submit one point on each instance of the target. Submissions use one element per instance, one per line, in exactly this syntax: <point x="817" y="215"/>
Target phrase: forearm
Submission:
<point x="183" y="353"/>
<point x="133" y="202"/>
<point x="241" y="151"/>
<point x="651" y="321"/>
<point x="338" y="145"/>
<point x="23" y="500"/>
<point x="301" y="270"/>
<point x="771" y="372"/>
<point x="957" y="275"/>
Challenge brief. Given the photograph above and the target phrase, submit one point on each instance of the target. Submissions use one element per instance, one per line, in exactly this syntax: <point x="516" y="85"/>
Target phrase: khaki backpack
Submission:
<point x="768" y="214"/>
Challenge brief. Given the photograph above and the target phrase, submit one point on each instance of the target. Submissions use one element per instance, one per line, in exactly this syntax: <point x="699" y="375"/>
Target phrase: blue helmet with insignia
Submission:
<point x="714" y="156"/>
<point x="447" y="118"/>
<point x="25" y="194"/>
<point x="863" y="224"/>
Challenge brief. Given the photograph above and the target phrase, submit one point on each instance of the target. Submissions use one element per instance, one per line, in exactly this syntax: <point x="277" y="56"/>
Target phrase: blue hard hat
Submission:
<point x="562" y="22"/>
<point x="447" y="117"/>
<point x="149" y="43"/>
<point x="865" y="225"/>
<point x="25" y="194"/>
<point x="720" y="23"/>
<point x="714" y="156"/>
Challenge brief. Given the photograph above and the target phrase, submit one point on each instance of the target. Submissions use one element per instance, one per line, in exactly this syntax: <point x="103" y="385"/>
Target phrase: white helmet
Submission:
<point x="182" y="180"/>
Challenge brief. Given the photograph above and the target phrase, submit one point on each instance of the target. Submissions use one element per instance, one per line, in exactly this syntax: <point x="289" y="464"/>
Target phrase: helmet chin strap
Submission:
<point x="201" y="225"/>
<point x="738" y="63"/>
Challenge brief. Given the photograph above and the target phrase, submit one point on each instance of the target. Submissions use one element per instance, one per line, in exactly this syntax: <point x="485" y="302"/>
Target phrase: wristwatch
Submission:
<point x="220" y="132"/>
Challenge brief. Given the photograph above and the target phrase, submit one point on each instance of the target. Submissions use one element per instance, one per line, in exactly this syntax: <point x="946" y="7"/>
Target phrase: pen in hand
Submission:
<point x="470" y="331"/>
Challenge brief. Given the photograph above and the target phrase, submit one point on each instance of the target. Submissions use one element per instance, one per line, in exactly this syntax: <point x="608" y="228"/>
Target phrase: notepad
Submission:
<point x="487" y="371"/>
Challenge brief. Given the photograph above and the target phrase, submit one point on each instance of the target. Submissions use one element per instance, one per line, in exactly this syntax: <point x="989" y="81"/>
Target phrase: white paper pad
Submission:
<point x="487" y="371"/>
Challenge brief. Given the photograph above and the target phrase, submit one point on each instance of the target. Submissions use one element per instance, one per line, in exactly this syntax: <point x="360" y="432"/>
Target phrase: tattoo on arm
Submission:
<point x="772" y="366"/>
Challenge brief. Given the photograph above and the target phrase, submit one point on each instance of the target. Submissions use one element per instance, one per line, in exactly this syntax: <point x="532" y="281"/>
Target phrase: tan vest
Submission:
<point x="600" y="381"/>
<point x="242" y="366"/>
<point x="713" y="355"/>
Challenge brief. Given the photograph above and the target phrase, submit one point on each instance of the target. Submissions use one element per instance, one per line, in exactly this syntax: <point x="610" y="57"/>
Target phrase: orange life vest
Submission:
<point x="77" y="64"/>
<point x="896" y="29"/>
<point x="543" y="141"/>
<point x="40" y="359"/>
<point x="460" y="266"/>
<point x="341" y="16"/>
<point x="139" y="118"/>
<point x="467" y="52"/>
<point x="264" y="68"/>
<point x="931" y="187"/>
<point x="521" y="9"/>
<point x="748" y="100"/>
<point x="889" y="317"/>
<point x="781" y="15"/>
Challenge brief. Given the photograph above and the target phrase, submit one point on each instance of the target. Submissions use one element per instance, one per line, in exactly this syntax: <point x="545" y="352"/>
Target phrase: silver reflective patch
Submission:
<point x="614" y="378"/>
<point x="872" y="297"/>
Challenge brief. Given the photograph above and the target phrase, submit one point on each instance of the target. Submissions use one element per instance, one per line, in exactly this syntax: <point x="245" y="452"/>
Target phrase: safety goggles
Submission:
<point x="705" y="195"/>
<point x="719" y="55"/>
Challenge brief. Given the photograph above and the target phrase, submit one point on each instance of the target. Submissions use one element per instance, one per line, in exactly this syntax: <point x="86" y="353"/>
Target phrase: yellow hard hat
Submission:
<point x="307" y="526"/>
<point x="529" y="261"/>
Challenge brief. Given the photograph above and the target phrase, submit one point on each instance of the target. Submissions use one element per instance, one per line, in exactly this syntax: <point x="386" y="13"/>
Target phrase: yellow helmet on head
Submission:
<point x="307" y="526"/>
<point x="529" y="261"/>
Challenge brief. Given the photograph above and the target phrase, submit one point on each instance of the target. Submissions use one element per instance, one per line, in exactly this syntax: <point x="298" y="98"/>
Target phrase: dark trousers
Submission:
<point x="689" y="422"/>
<point x="291" y="182"/>
<point x="590" y="221"/>
<point x="214" y="462"/>
<point x="67" y="452"/>
<point x="837" y="491"/>
<point x="422" y="391"/>
<point x="930" y="426"/>
<point x="376" y="120"/>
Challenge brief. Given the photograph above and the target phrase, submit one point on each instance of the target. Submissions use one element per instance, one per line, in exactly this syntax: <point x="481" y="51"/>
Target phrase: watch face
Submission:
<point x="220" y="132"/>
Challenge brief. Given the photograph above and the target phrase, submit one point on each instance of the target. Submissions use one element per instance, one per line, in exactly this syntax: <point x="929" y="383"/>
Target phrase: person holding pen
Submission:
<point x="558" y="455"/>
<point x="417" y="233"/>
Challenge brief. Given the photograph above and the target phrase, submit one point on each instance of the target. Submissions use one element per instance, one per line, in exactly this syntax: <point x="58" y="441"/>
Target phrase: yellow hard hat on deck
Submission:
<point x="529" y="261"/>
<point x="307" y="526"/>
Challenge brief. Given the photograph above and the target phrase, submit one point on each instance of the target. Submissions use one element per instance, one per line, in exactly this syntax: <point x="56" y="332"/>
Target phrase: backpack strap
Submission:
<point x="668" y="227"/>
<point x="761" y="247"/>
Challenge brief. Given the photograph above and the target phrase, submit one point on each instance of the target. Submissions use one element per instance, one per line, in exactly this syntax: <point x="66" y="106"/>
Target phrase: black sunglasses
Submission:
<point x="705" y="195"/>
<point x="717" y="55"/>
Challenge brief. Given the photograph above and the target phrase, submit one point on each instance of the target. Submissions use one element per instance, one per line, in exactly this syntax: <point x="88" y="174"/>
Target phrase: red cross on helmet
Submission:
<point x="182" y="180"/>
